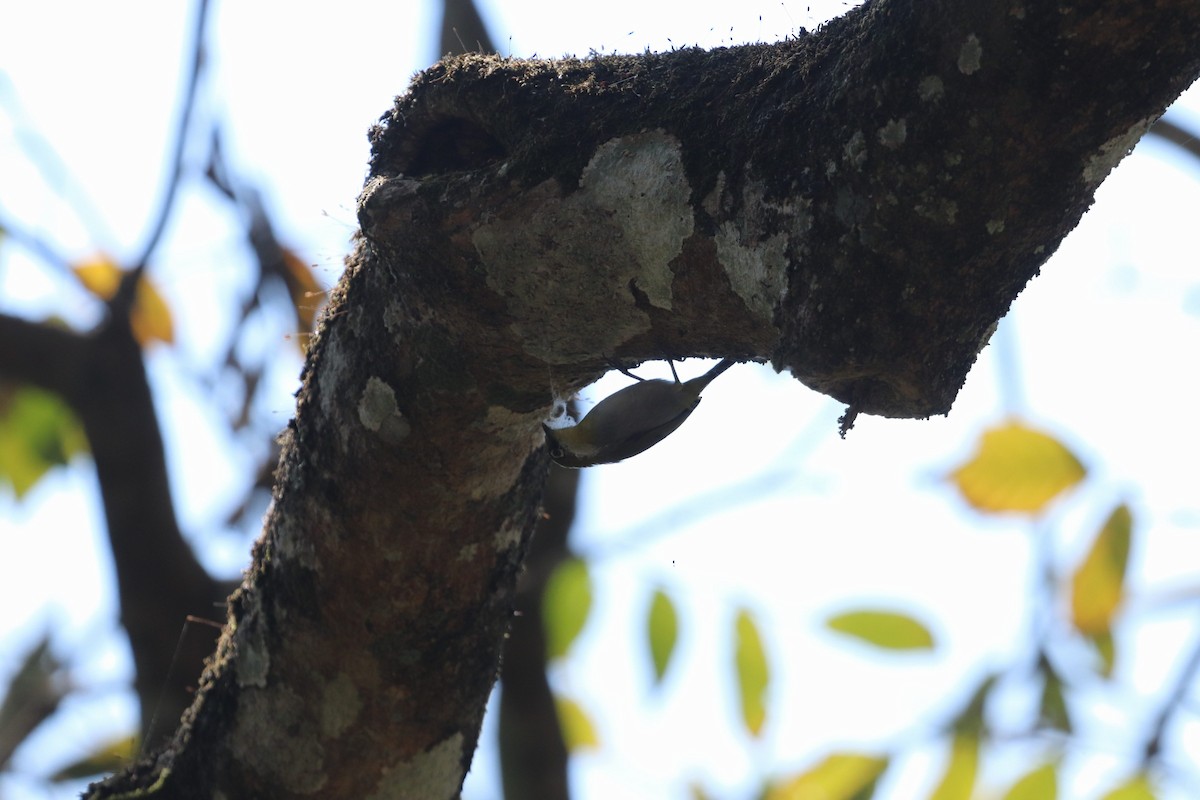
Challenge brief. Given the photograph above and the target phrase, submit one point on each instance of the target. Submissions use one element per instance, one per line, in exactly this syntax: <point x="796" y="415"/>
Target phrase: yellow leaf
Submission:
<point x="566" y="601"/>
<point x="38" y="431"/>
<point x="662" y="630"/>
<point x="958" y="781"/>
<point x="100" y="276"/>
<point x="150" y="319"/>
<point x="886" y="629"/>
<point x="841" y="776"/>
<point x="753" y="674"/>
<point x="1040" y="784"/>
<point x="108" y="756"/>
<point x="577" y="729"/>
<point x="1017" y="469"/>
<point x="1098" y="584"/>
<point x="1136" y="788"/>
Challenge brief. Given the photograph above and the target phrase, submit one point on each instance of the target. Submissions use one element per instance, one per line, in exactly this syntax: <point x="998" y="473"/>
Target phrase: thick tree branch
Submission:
<point x="876" y="194"/>
<point x="860" y="206"/>
<point x="462" y="29"/>
<point x="159" y="580"/>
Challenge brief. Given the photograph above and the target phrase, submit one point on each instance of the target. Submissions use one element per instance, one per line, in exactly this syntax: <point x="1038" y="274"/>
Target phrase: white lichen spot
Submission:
<point x="340" y="706"/>
<point x="496" y="470"/>
<point x="264" y="739"/>
<point x="854" y="152"/>
<point x="931" y="89"/>
<point x="331" y="374"/>
<point x="970" y="55"/>
<point x="378" y="413"/>
<point x="1041" y="248"/>
<point x="1112" y="151"/>
<point x="640" y="181"/>
<point x="435" y="774"/>
<point x="987" y="336"/>
<point x="755" y="261"/>
<point x="712" y="201"/>
<point x="508" y="536"/>
<point x="995" y="226"/>
<point x="952" y="159"/>
<point x="253" y="657"/>
<point x="893" y="134"/>
<point x="756" y="272"/>
<point x="468" y="553"/>
<point x="613" y="238"/>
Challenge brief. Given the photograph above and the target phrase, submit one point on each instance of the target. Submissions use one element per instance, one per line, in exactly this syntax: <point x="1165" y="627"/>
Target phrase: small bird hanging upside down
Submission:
<point x="631" y="420"/>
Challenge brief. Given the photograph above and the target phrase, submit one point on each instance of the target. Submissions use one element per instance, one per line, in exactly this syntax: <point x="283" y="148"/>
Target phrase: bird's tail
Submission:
<point x="698" y="384"/>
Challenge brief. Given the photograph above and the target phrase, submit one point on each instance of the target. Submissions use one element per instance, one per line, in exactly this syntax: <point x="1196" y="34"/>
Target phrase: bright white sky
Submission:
<point x="1103" y="344"/>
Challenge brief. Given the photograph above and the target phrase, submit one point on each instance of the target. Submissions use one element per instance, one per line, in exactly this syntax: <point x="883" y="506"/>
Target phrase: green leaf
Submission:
<point x="33" y="694"/>
<point x="1040" y="784"/>
<point x="970" y="722"/>
<point x="1052" y="710"/>
<point x="841" y="776"/>
<point x="662" y="630"/>
<point x="1017" y="469"/>
<point x="566" y="601"/>
<point x="958" y="781"/>
<point x="1098" y="586"/>
<point x="1136" y="788"/>
<point x="108" y="756"/>
<point x="753" y="673"/>
<point x="38" y="431"/>
<point x="886" y="629"/>
<point x="577" y="729"/>
<point x="1105" y="648"/>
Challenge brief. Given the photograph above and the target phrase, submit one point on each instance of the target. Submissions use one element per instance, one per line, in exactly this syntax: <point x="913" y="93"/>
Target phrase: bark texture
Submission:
<point x="858" y="206"/>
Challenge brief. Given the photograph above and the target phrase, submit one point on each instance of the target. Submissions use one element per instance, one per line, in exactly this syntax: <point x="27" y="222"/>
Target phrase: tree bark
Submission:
<point x="859" y="206"/>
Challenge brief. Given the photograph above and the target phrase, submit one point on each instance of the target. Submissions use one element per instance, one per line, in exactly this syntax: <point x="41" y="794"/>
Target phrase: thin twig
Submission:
<point x="175" y="173"/>
<point x="1172" y="703"/>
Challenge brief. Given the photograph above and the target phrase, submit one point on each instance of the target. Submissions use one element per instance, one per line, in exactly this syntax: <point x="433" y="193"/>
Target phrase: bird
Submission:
<point x="629" y="421"/>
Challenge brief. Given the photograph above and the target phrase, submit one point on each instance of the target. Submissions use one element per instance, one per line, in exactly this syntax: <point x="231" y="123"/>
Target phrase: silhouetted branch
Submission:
<point x="1177" y="135"/>
<point x="175" y="172"/>
<point x="533" y="756"/>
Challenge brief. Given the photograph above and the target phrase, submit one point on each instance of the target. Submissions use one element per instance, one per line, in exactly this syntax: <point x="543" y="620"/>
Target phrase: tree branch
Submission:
<point x="187" y="105"/>
<point x="159" y="580"/>
<point x="533" y="755"/>
<point x="897" y="177"/>
<point x="859" y="205"/>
